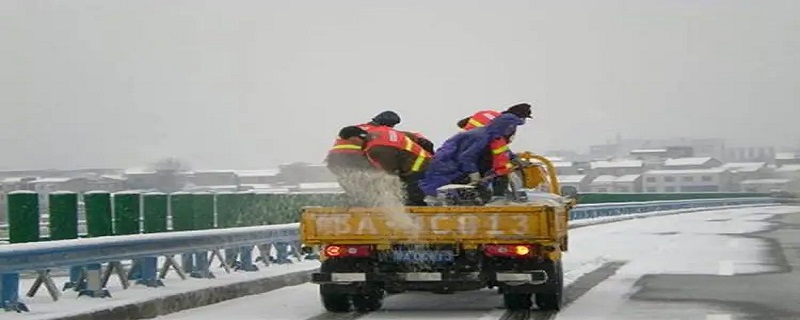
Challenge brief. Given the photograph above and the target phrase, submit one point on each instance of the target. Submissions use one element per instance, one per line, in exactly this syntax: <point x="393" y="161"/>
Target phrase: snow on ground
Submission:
<point x="43" y="307"/>
<point x="687" y="243"/>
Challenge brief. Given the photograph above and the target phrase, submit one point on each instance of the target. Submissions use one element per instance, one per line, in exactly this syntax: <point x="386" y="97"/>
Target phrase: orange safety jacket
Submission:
<point x="345" y="146"/>
<point x="481" y="118"/>
<point x="385" y="136"/>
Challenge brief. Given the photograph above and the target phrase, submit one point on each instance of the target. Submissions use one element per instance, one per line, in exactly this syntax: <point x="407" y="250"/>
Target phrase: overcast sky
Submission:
<point x="252" y="84"/>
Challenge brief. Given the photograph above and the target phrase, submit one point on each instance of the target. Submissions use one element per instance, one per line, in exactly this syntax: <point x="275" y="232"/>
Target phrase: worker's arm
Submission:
<point x="423" y="142"/>
<point x="501" y="157"/>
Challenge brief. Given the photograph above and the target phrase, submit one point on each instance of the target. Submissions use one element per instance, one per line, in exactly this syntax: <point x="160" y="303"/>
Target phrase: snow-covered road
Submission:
<point x="603" y="267"/>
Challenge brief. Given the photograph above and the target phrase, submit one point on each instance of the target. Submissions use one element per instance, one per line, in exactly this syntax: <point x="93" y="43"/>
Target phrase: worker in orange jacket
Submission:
<point x="394" y="153"/>
<point x="384" y="119"/>
<point x="499" y="158"/>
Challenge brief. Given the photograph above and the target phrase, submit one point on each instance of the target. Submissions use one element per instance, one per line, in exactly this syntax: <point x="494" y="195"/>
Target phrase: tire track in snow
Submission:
<point x="571" y="293"/>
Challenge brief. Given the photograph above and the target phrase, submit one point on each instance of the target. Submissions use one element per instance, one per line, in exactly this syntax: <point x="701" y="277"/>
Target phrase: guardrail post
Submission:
<point x="263" y="210"/>
<point x="181" y="209"/>
<point x="203" y="205"/>
<point x="155" y="207"/>
<point x="23" y="226"/>
<point x="229" y="209"/>
<point x="289" y="204"/>
<point x="63" y="225"/>
<point x="99" y="223"/>
<point x="248" y="204"/>
<point x="127" y="221"/>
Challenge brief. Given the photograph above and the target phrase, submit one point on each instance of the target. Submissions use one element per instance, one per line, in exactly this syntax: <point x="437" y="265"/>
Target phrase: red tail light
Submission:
<point x="509" y="250"/>
<point x="353" y="251"/>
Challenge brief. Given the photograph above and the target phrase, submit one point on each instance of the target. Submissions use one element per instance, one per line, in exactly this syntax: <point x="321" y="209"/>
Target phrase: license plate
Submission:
<point x="416" y="256"/>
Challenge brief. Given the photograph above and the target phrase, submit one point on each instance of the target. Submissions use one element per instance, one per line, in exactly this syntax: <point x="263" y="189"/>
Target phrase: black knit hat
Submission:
<point x="387" y="118"/>
<point x="463" y="122"/>
<point x="352" y="131"/>
<point x="522" y="110"/>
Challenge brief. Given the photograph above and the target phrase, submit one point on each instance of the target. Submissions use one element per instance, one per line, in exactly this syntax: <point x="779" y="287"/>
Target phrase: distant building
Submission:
<point x="771" y="185"/>
<point x="214" y="178"/>
<point x="789" y="171"/>
<point x="675" y="147"/>
<point x="741" y="171"/>
<point x="786" y="158"/>
<point x="617" y="167"/>
<point x="566" y="168"/>
<point x="297" y="173"/>
<point x="579" y="181"/>
<point x="691" y="163"/>
<point x="604" y="183"/>
<point x="650" y="157"/>
<point x="628" y="183"/>
<point x="624" y="184"/>
<point x="317" y="187"/>
<point x="750" y="154"/>
<point x="690" y="180"/>
<point x="269" y="176"/>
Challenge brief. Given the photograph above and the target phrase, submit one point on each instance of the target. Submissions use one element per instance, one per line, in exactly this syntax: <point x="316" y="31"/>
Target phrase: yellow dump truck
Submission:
<point x="515" y="246"/>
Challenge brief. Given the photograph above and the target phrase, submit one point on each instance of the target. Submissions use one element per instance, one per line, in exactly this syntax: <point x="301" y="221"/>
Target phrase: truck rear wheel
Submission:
<point x="334" y="301"/>
<point x="368" y="302"/>
<point x="552" y="301"/>
<point x="517" y="301"/>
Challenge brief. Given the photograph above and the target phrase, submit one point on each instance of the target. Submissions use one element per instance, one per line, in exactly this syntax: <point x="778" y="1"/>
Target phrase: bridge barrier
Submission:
<point x="270" y="208"/>
<point x="104" y="249"/>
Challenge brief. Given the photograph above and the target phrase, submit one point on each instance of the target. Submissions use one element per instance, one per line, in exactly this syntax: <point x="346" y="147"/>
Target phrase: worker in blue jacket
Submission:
<point x="458" y="159"/>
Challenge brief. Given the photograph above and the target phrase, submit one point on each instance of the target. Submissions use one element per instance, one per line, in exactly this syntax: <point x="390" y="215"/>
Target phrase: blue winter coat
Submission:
<point x="460" y="155"/>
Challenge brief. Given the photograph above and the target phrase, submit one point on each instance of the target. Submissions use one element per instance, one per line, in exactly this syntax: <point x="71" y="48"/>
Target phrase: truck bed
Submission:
<point x="466" y="225"/>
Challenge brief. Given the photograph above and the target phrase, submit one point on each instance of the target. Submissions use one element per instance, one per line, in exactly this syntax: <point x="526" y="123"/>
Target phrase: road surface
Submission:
<point x="720" y="265"/>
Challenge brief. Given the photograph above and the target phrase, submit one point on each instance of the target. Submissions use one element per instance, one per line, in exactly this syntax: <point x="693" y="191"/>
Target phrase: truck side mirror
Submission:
<point x="569" y="192"/>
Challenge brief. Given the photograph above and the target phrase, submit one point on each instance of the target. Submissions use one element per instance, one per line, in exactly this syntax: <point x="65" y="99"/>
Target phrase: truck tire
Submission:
<point x="552" y="301"/>
<point x="334" y="301"/>
<point x="517" y="301"/>
<point x="368" y="302"/>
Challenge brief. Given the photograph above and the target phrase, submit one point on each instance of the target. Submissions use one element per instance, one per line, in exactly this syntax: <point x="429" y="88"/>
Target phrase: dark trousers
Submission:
<point x="500" y="186"/>
<point x="414" y="195"/>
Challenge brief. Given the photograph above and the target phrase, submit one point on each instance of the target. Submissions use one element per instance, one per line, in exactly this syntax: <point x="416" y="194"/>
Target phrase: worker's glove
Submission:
<point x="474" y="178"/>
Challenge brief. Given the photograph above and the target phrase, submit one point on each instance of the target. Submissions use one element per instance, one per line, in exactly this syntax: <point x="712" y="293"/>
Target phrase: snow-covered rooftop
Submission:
<point x="319" y="185"/>
<point x="646" y="151"/>
<point x="213" y="171"/>
<point x="258" y="185"/>
<point x="739" y="165"/>
<point x="214" y="188"/>
<point x="52" y="180"/>
<point x="766" y="181"/>
<point x="788" y="168"/>
<point x="11" y="180"/>
<point x="604" y="179"/>
<point x="112" y="177"/>
<point x="258" y="173"/>
<point x="628" y="178"/>
<point x="693" y="161"/>
<point x="138" y="170"/>
<point x="617" y="164"/>
<point x="686" y="171"/>
<point x="562" y="164"/>
<point x="574" y="178"/>
<point x="786" y="156"/>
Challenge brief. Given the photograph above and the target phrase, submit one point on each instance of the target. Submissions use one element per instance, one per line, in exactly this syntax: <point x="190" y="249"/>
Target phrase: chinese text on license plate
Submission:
<point x="423" y="256"/>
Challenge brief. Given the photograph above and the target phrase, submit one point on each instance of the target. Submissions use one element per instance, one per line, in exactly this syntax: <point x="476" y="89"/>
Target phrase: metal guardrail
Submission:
<point x="590" y="211"/>
<point x="88" y="255"/>
<point x="85" y="257"/>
